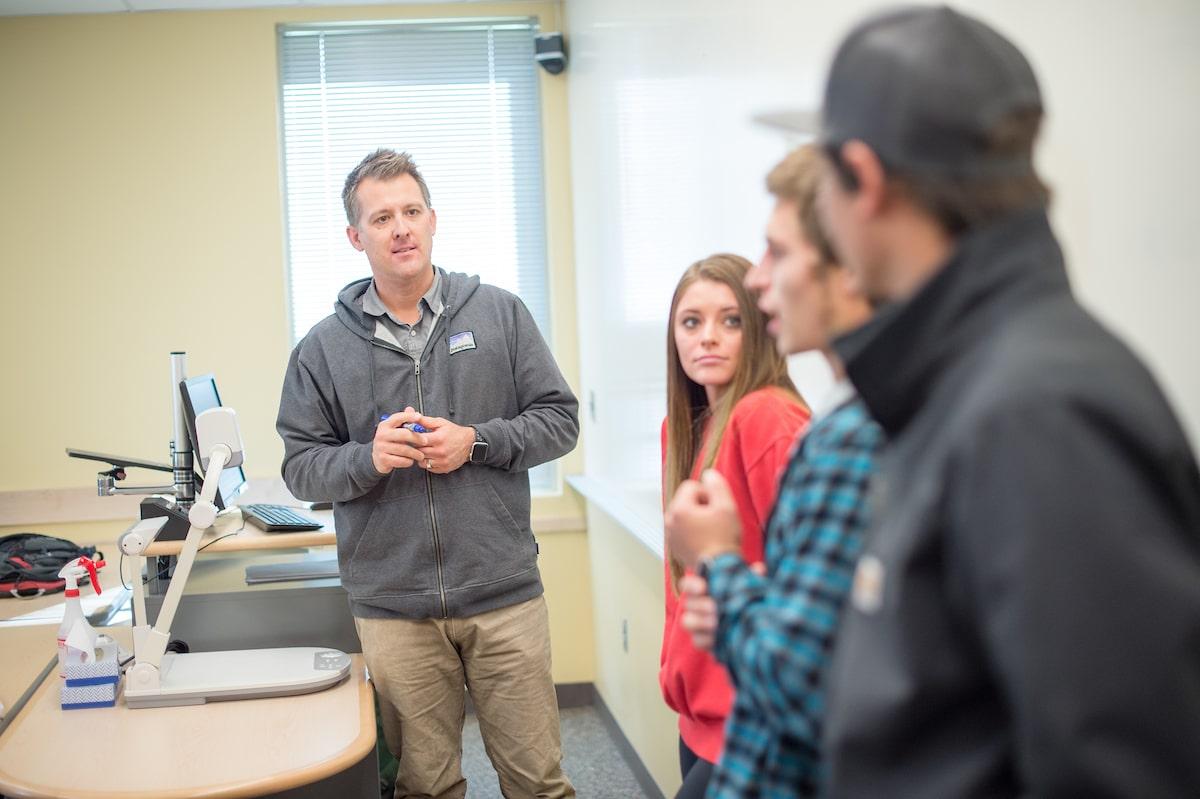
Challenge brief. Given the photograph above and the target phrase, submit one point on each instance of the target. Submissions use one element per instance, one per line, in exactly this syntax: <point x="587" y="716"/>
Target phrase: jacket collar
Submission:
<point x="896" y="358"/>
<point x="431" y="300"/>
<point x="456" y="289"/>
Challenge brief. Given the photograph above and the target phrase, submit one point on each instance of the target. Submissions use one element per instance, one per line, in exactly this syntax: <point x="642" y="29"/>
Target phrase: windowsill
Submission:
<point x="638" y="512"/>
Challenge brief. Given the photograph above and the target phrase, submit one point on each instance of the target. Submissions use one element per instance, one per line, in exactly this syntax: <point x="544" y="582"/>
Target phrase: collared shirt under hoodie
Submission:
<point x="1025" y="618"/>
<point x="409" y="338"/>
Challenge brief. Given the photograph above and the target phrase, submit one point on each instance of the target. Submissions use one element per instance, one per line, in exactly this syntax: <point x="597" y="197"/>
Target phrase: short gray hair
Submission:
<point x="383" y="164"/>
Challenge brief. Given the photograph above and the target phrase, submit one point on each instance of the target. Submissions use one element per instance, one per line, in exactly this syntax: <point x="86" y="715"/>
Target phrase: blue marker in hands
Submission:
<point x="413" y="426"/>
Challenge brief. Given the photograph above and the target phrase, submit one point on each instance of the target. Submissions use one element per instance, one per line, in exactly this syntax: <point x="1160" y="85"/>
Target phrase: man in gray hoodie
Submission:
<point x="418" y="408"/>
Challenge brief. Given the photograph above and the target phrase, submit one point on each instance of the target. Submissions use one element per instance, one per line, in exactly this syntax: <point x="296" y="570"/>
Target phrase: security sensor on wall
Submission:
<point x="549" y="52"/>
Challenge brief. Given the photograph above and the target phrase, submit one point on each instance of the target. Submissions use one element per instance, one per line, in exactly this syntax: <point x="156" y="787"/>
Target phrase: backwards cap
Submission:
<point x="924" y="87"/>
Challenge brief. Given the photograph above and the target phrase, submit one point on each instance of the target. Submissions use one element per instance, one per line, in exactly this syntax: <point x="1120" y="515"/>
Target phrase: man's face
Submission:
<point x="395" y="228"/>
<point x="793" y="289"/>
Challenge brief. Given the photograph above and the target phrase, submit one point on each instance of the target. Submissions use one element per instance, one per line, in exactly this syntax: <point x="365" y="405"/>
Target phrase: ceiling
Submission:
<point x="11" y="8"/>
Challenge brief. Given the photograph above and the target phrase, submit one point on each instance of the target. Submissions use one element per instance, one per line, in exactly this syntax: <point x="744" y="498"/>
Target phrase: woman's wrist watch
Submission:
<point x="479" y="449"/>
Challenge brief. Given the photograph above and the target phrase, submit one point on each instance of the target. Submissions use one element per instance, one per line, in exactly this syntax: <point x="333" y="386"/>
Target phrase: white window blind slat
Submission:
<point x="462" y="98"/>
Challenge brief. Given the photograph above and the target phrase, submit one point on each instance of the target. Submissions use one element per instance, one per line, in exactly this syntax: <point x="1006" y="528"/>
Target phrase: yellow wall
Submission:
<point x="568" y="580"/>
<point x="627" y="581"/>
<point x="141" y="212"/>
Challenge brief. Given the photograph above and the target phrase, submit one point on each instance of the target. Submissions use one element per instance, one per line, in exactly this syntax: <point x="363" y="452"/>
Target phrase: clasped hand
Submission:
<point x="701" y="522"/>
<point x="446" y="446"/>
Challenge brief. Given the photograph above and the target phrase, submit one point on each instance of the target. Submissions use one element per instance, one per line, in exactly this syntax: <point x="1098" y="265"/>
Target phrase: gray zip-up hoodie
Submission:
<point x="414" y="544"/>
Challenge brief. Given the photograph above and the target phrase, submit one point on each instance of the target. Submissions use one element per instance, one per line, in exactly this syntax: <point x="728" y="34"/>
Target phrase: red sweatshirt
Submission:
<point x="754" y="450"/>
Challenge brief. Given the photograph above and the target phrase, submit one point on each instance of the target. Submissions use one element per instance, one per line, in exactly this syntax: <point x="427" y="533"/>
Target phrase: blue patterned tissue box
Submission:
<point x="93" y="684"/>
<point x="106" y="669"/>
<point x="76" y="697"/>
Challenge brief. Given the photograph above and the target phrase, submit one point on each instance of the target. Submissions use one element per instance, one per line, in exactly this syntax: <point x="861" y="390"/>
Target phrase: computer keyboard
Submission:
<point x="278" y="518"/>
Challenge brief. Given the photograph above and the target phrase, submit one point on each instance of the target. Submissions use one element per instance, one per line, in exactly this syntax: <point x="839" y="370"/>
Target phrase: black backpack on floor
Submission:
<point x="30" y="563"/>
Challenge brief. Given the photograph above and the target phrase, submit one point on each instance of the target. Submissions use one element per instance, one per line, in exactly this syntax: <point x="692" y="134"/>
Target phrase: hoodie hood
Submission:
<point x="457" y="288"/>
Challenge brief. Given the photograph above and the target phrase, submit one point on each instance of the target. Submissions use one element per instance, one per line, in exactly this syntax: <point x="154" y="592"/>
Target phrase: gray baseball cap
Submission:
<point x="924" y="87"/>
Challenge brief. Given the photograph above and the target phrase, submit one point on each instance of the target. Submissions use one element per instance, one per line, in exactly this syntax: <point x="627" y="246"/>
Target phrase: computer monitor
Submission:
<point x="198" y="395"/>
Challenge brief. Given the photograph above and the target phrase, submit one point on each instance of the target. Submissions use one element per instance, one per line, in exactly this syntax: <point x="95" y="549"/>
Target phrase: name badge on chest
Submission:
<point x="462" y="341"/>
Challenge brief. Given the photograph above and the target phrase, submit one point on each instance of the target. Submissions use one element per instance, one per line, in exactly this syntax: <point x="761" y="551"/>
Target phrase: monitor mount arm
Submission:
<point x="106" y="481"/>
<point x="183" y="489"/>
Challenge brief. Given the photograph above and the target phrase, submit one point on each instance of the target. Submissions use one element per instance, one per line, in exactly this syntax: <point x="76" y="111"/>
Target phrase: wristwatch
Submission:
<point x="479" y="450"/>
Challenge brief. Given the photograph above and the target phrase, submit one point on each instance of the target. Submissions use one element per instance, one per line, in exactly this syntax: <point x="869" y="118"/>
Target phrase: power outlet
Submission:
<point x="625" y="635"/>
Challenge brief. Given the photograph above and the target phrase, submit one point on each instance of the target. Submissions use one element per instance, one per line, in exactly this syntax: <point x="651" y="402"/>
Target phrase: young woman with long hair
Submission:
<point x="730" y="406"/>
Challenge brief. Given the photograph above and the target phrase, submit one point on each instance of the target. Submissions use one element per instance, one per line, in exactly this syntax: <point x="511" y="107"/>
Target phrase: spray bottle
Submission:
<point x="73" y="572"/>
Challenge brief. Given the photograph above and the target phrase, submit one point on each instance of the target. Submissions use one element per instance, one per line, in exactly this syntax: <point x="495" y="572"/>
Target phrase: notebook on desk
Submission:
<point x="295" y="570"/>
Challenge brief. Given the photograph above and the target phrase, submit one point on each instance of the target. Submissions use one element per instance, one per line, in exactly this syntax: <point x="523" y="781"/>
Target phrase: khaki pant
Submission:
<point x="419" y="669"/>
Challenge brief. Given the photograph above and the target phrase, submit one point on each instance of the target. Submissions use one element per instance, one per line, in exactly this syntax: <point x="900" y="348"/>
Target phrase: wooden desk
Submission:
<point x="277" y="611"/>
<point x="27" y="652"/>
<point x="220" y="611"/>
<point x="229" y="534"/>
<point x="221" y="749"/>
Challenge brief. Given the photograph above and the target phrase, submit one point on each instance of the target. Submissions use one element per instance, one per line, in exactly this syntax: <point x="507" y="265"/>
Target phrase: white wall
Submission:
<point x="667" y="168"/>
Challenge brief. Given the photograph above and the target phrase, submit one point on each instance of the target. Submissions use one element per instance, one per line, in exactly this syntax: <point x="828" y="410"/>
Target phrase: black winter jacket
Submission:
<point x="1026" y="618"/>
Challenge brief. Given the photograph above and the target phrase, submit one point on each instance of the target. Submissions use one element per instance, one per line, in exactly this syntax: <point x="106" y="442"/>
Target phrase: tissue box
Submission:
<point x="76" y="697"/>
<point x="92" y="684"/>
<point x="105" y="669"/>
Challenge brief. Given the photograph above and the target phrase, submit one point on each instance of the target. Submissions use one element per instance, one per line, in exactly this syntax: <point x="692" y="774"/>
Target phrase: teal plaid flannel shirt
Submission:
<point x="775" y="633"/>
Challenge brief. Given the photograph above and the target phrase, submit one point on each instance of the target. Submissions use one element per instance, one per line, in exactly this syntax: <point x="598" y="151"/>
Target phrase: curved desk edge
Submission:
<point x="363" y="744"/>
<point x="351" y="754"/>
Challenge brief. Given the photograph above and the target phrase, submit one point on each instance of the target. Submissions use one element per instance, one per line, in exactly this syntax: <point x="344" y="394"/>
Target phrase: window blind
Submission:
<point x="462" y="98"/>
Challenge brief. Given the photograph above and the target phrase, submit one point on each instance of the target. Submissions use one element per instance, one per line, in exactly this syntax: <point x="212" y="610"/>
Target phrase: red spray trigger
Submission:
<point x="92" y="566"/>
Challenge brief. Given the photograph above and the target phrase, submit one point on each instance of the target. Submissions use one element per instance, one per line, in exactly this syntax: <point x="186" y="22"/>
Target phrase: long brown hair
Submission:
<point x="688" y="413"/>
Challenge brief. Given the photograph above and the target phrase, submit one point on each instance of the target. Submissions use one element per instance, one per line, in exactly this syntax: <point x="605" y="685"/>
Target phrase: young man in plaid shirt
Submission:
<point x="774" y="631"/>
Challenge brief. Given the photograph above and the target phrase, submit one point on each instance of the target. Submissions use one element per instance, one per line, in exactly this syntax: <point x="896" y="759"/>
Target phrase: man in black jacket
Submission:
<point x="1025" y="619"/>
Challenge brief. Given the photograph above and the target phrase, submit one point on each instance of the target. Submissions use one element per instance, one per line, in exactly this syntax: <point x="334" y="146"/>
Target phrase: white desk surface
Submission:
<point x="229" y="534"/>
<point x="221" y="749"/>
<point x="270" y="745"/>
